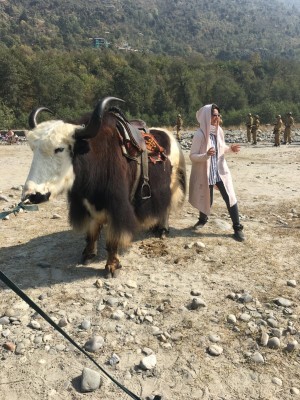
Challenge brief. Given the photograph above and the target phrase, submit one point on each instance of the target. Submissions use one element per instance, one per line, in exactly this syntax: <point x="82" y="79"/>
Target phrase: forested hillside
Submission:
<point x="154" y="87"/>
<point x="244" y="55"/>
<point x="219" y="29"/>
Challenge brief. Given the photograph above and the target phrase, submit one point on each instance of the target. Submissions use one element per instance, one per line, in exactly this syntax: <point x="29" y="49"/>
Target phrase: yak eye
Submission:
<point x="59" y="150"/>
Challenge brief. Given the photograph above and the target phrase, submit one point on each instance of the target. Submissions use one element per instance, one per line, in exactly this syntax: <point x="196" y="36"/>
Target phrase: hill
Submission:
<point x="215" y="29"/>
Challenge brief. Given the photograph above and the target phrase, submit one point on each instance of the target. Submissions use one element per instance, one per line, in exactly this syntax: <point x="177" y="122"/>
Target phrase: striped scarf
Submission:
<point x="214" y="176"/>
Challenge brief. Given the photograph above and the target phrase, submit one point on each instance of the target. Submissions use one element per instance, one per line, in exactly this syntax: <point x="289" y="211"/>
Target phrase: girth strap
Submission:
<point x="145" y="189"/>
<point x="141" y="172"/>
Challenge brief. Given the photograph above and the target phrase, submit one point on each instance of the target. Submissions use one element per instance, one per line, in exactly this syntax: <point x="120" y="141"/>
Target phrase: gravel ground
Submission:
<point x="195" y="316"/>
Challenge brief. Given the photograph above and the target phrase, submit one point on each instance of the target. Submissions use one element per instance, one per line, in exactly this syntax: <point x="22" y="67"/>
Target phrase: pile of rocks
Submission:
<point x="238" y="136"/>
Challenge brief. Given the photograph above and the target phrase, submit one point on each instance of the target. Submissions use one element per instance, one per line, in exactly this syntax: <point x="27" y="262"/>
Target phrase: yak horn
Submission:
<point x="91" y="129"/>
<point x="33" y="116"/>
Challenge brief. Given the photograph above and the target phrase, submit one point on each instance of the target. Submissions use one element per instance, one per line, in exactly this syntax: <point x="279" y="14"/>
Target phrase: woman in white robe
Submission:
<point x="210" y="169"/>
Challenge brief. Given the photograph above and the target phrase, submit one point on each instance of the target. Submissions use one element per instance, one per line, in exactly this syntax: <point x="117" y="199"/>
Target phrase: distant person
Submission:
<point x="277" y="130"/>
<point x="249" y="123"/>
<point x="179" y="124"/>
<point x="10" y="137"/>
<point x="209" y="169"/>
<point x="288" y="123"/>
<point x="254" y="129"/>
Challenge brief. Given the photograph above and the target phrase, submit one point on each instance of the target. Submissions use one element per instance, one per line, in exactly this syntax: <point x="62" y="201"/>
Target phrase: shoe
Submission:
<point x="238" y="233"/>
<point x="200" y="224"/>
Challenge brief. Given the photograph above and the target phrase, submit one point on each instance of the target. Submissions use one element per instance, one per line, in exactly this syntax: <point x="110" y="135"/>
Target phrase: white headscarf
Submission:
<point x="203" y="116"/>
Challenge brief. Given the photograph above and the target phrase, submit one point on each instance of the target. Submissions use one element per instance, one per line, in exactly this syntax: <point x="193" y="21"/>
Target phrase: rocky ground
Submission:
<point x="195" y="316"/>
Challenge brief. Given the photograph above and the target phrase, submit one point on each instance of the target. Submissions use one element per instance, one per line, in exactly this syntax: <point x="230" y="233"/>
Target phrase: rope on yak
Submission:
<point x="23" y="206"/>
<point x="32" y="304"/>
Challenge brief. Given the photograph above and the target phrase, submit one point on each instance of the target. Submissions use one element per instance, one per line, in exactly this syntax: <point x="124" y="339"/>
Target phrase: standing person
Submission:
<point x="179" y="123"/>
<point x="209" y="169"/>
<point x="249" y="123"/>
<point x="289" y="123"/>
<point x="254" y="129"/>
<point x="10" y="137"/>
<point x="277" y="130"/>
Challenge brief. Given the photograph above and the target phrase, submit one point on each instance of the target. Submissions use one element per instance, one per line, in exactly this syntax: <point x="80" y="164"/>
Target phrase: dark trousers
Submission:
<point x="233" y="211"/>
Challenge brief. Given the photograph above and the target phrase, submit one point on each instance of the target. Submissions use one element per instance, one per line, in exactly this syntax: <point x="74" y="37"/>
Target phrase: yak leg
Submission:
<point x="92" y="237"/>
<point x="113" y="266"/>
<point x="114" y="241"/>
<point x="162" y="227"/>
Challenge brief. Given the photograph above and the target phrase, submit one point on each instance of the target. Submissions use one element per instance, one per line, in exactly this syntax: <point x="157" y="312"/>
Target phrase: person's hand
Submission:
<point x="235" y="148"/>
<point x="211" y="151"/>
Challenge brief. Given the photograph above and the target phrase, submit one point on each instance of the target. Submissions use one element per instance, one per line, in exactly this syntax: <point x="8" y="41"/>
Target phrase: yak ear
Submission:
<point x="94" y="124"/>
<point x="33" y="116"/>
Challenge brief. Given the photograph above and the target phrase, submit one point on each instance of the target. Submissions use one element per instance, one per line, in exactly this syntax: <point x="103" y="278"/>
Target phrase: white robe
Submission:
<point x="199" y="194"/>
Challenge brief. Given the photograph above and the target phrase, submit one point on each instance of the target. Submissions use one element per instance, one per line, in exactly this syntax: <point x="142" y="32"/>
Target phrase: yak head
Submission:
<point x="52" y="143"/>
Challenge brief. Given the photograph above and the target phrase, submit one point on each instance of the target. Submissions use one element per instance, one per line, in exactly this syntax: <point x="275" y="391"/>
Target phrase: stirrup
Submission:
<point x="145" y="191"/>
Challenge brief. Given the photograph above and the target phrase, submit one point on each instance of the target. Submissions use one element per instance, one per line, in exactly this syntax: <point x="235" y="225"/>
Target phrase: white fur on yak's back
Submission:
<point x="49" y="135"/>
<point x="176" y="158"/>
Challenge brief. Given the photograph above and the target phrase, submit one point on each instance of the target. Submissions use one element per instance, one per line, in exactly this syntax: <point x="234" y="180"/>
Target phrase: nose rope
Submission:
<point x="33" y="305"/>
<point x="22" y="205"/>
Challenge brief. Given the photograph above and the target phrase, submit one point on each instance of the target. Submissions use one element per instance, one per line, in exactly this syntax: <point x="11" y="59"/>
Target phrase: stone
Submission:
<point x="98" y="283"/>
<point x="63" y="322"/>
<point x="245" y="298"/>
<point x="10" y="346"/>
<point x="272" y="322"/>
<point x="56" y="216"/>
<point x="264" y="339"/>
<point x="277" y="381"/>
<point x="292" y="345"/>
<point x="295" y="391"/>
<point x="231" y="319"/>
<point x="90" y="380"/>
<point x="214" y="338"/>
<point x="257" y="358"/>
<point x="85" y="324"/>
<point x="199" y="245"/>
<point x="131" y="284"/>
<point x="35" y="324"/>
<point x="118" y="315"/>
<point x="4" y="321"/>
<point x="245" y="317"/>
<point x="274" y="343"/>
<point x="281" y="301"/>
<point x="197" y="303"/>
<point x="94" y="344"/>
<point x="215" y="350"/>
<point x="114" y="359"/>
<point x="276" y="332"/>
<point x="149" y="362"/>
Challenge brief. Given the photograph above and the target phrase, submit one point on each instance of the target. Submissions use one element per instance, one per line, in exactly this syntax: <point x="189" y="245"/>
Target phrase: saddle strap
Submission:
<point x="145" y="189"/>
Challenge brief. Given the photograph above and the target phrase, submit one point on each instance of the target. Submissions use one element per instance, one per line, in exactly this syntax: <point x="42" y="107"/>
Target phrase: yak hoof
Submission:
<point x="87" y="259"/>
<point x="112" y="271"/>
<point x="163" y="233"/>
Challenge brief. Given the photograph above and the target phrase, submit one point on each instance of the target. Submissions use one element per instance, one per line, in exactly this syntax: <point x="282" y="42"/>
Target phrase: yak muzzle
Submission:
<point x="37" y="198"/>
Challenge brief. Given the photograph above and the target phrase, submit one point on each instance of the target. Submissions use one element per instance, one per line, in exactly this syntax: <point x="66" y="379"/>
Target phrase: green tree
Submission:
<point x="7" y="118"/>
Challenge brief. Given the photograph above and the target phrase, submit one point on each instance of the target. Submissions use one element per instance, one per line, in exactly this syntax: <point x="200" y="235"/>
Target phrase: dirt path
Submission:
<point x="155" y="291"/>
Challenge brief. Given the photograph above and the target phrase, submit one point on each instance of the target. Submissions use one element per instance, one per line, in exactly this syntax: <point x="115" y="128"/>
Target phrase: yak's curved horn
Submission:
<point x="92" y="128"/>
<point x="102" y="104"/>
<point x="33" y="116"/>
